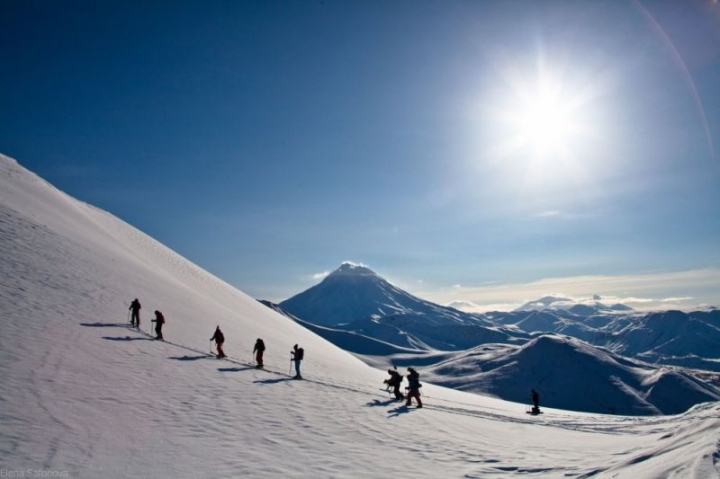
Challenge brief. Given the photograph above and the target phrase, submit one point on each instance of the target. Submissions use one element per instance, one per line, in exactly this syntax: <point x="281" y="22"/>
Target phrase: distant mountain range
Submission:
<point x="581" y="308"/>
<point x="586" y="356"/>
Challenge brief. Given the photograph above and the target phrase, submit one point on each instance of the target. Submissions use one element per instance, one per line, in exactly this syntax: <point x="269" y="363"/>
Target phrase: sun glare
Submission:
<point x="544" y="126"/>
<point x="545" y="123"/>
<point x="542" y="120"/>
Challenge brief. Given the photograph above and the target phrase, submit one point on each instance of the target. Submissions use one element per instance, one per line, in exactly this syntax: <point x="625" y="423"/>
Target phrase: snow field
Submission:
<point x="82" y="393"/>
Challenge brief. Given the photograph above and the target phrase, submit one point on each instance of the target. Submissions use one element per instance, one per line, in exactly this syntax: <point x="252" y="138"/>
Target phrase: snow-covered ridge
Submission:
<point x="582" y="307"/>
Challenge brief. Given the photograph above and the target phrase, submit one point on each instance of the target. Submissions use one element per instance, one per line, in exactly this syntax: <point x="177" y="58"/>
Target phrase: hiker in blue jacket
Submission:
<point x="297" y="355"/>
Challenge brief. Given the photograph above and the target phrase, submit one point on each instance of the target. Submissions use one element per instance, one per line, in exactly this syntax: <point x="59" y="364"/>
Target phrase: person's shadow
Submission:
<point x="126" y="338"/>
<point x="377" y="402"/>
<point x="272" y="381"/>
<point x="398" y="410"/>
<point x="189" y="358"/>
<point x="233" y="370"/>
<point x="105" y="325"/>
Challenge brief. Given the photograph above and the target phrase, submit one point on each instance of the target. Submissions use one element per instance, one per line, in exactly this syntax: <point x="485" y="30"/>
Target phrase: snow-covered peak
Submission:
<point x="582" y="306"/>
<point x="350" y="268"/>
<point x="543" y="303"/>
<point x="355" y="292"/>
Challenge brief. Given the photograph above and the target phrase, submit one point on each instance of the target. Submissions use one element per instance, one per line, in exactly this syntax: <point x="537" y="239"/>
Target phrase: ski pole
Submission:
<point x="210" y="346"/>
<point x="290" y="368"/>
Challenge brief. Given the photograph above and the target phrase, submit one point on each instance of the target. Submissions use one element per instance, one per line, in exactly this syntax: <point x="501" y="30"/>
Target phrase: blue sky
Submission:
<point x="479" y="151"/>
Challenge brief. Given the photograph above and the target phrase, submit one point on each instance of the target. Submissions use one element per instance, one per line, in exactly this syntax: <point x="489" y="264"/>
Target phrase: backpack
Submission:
<point x="414" y="380"/>
<point x="161" y="318"/>
<point x="300" y="354"/>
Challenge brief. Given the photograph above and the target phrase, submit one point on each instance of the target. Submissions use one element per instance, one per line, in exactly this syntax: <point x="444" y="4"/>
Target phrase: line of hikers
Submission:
<point x="296" y="355"/>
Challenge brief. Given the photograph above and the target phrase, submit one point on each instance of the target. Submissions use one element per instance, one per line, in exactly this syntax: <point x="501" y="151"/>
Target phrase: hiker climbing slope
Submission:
<point x="135" y="308"/>
<point x="297" y="355"/>
<point x="219" y="339"/>
<point x="394" y="381"/>
<point x="259" y="350"/>
<point x="413" y="387"/>
<point x="159" y="322"/>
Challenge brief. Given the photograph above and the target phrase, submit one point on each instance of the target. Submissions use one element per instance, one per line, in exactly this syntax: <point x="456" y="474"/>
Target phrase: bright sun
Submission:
<point x="543" y="126"/>
<point x="544" y="123"/>
<point x="541" y="119"/>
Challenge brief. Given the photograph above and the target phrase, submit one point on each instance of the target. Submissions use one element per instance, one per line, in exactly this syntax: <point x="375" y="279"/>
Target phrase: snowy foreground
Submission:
<point x="82" y="395"/>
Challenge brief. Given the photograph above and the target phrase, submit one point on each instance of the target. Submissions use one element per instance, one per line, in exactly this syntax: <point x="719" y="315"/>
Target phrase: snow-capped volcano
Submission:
<point x="356" y="299"/>
<point x="353" y="292"/>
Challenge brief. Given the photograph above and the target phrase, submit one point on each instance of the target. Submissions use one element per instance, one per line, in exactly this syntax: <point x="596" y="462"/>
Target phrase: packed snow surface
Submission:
<point x="83" y="395"/>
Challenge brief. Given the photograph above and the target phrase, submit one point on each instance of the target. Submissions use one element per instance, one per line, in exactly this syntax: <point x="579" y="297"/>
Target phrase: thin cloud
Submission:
<point x="643" y="291"/>
<point x="549" y="214"/>
<point x="466" y="306"/>
<point x="676" y="300"/>
<point x="318" y="276"/>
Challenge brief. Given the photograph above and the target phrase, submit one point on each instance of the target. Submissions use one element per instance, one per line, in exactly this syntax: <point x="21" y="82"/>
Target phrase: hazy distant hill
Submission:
<point x="571" y="374"/>
<point x="586" y="307"/>
<point x="670" y="334"/>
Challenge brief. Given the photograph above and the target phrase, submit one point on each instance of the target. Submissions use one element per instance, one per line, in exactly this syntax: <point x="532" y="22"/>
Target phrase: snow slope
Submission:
<point x="84" y="396"/>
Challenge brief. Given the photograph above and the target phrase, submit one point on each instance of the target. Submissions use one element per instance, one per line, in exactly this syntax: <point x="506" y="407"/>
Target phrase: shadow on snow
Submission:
<point x="235" y="370"/>
<point x="189" y="358"/>
<point x="273" y="381"/>
<point x="106" y="325"/>
<point x="377" y="402"/>
<point x="126" y="338"/>
<point x="398" y="410"/>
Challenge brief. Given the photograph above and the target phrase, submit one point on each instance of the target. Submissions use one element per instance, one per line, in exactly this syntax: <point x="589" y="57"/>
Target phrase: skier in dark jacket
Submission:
<point x="219" y="339"/>
<point x="395" y="381"/>
<point x="297" y="355"/>
<point x="413" y="387"/>
<point x="536" y="401"/>
<point x="159" y="321"/>
<point x="135" y="318"/>
<point x="259" y="349"/>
